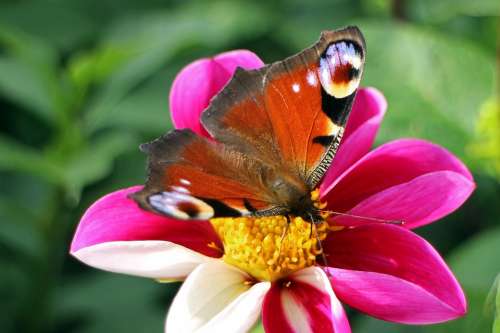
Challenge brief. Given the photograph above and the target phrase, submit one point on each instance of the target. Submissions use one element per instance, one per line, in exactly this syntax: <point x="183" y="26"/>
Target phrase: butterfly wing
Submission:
<point x="293" y="112"/>
<point x="191" y="177"/>
<point x="277" y="130"/>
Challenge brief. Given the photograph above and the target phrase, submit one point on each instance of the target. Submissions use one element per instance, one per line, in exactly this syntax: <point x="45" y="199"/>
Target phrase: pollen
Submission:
<point x="269" y="248"/>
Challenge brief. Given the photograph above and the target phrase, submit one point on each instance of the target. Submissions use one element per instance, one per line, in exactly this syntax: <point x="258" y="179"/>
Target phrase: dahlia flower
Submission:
<point x="235" y="272"/>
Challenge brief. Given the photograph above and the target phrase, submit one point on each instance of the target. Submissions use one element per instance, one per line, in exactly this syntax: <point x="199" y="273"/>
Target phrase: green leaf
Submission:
<point x="27" y="47"/>
<point x="61" y="24"/>
<point x="21" y="85"/>
<point x="145" y="60"/>
<point x="29" y="75"/>
<point x="496" y="323"/>
<point x="485" y="148"/>
<point x="494" y="302"/>
<point x="435" y="85"/>
<point x="437" y="11"/>
<point x="17" y="157"/>
<point x="96" y="161"/>
<point x="84" y="165"/>
<point x="145" y="109"/>
<point x="95" y="66"/>
<point x="475" y="262"/>
<point x="210" y="24"/>
<point x="155" y="38"/>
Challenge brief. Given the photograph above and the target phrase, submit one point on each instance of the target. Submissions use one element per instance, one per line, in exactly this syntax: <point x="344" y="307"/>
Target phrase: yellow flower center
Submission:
<point x="268" y="249"/>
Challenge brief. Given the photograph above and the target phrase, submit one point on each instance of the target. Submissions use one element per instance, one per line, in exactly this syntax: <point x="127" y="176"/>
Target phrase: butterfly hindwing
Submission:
<point x="191" y="177"/>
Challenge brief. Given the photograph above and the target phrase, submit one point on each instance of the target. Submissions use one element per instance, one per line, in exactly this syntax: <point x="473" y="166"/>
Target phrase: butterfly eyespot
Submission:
<point x="340" y="68"/>
<point x="181" y="206"/>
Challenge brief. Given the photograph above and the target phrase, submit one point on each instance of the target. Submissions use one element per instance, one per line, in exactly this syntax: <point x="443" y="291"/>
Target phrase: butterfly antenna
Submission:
<point x="374" y="219"/>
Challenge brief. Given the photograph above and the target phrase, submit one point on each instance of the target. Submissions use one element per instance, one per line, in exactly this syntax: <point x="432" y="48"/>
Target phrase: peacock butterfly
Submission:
<point x="275" y="130"/>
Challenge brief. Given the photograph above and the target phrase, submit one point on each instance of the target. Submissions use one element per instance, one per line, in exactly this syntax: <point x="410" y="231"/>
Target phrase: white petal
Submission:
<point x="153" y="259"/>
<point x="313" y="276"/>
<point x="216" y="298"/>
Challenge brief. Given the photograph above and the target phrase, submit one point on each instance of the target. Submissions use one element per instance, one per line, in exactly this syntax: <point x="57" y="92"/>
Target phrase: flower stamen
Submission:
<point x="257" y="245"/>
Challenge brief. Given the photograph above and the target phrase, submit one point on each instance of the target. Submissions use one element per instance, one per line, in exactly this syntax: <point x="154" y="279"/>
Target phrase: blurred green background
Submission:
<point x="83" y="82"/>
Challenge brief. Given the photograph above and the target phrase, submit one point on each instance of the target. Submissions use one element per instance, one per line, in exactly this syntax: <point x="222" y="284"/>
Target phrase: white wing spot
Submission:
<point x="179" y="189"/>
<point x="311" y="79"/>
<point x="296" y="87"/>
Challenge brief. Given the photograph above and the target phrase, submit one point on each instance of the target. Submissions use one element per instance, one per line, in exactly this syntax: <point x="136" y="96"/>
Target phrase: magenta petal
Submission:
<point x="273" y="314"/>
<point x="391" y="164"/>
<point x="390" y="298"/>
<point x="304" y="303"/>
<point x="198" y="82"/>
<point x="369" y="106"/>
<point x="238" y="58"/>
<point x="191" y="92"/>
<point x="420" y="201"/>
<point x="115" y="217"/>
<point x="362" y="127"/>
<point x="393" y="274"/>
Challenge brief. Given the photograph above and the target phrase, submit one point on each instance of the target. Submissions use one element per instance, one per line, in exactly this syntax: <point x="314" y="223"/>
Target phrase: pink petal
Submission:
<point x="305" y="303"/>
<point x="152" y="259"/>
<point x="238" y="58"/>
<point x="198" y="82"/>
<point x="362" y="127"/>
<point x="115" y="217"/>
<point x="369" y="105"/>
<point x="420" y="201"/>
<point x="391" y="164"/>
<point x="392" y="274"/>
<point x="216" y="297"/>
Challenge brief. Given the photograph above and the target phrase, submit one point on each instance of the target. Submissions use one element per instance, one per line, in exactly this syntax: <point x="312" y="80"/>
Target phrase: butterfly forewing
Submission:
<point x="277" y="130"/>
<point x="293" y="112"/>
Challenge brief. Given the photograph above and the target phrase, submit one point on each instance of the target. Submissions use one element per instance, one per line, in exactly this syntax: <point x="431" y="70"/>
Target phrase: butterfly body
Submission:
<point x="291" y="196"/>
<point x="275" y="132"/>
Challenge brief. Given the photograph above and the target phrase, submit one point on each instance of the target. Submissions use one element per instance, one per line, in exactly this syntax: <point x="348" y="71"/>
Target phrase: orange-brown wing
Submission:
<point x="191" y="177"/>
<point x="292" y="114"/>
